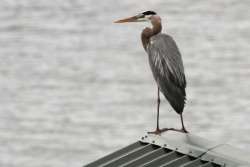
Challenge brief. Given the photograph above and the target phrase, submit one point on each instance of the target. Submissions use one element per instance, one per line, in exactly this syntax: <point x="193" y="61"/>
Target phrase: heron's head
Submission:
<point x="141" y="17"/>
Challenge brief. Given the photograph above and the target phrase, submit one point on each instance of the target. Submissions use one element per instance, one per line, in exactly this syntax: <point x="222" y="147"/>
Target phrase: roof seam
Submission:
<point x="209" y="149"/>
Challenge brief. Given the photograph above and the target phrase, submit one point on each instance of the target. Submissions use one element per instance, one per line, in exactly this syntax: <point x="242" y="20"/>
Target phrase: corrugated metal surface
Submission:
<point x="175" y="149"/>
<point x="149" y="155"/>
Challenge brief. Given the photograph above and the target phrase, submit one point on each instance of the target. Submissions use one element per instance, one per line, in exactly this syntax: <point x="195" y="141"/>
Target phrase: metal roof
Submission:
<point x="174" y="149"/>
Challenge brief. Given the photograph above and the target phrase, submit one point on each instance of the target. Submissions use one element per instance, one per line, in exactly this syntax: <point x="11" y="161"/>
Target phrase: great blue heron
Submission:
<point x="165" y="62"/>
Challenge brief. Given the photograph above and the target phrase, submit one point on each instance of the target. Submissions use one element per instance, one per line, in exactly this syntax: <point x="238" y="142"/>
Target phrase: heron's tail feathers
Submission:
<point x="176" y="98"/>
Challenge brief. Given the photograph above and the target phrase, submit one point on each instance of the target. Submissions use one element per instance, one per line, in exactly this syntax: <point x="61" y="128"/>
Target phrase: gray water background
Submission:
<point x="74" y="86"/>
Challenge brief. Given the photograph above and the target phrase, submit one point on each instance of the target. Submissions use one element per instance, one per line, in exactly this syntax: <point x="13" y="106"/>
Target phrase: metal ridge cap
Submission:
<point x="185" y="143"/>
<point x="196" y="146"/>
<point x="227" y="153"/>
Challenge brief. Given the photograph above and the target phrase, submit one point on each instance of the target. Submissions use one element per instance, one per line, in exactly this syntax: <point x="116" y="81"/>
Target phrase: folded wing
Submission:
<point x="167" y="67"/>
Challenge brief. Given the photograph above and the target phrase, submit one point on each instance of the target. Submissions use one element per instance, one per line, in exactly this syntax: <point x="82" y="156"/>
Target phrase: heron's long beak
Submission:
<point x="128" y="19"/>
<point x="136" y="18"/>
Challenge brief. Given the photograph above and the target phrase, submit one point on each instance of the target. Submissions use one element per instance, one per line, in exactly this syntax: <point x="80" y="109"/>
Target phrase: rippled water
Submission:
<point x="74" y="86"/>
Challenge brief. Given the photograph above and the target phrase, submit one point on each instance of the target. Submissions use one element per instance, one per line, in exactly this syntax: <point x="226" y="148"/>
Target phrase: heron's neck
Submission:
<point x="156" y="28"/>
<point x="147" y="33"/>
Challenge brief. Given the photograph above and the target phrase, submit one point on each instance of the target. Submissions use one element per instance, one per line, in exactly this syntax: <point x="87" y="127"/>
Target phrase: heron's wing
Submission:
<point x="167" y="67"/>
<point x="167" y="58"/>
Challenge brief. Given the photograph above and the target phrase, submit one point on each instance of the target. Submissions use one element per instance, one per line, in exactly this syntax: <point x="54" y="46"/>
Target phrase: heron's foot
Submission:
<point x="159" y="131"/>
<point x="156" y="132"/>
<point x="184" y="130"/>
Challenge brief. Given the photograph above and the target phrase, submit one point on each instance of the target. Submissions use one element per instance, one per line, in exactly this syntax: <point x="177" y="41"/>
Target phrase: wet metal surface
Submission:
<point x="174" y="149"/>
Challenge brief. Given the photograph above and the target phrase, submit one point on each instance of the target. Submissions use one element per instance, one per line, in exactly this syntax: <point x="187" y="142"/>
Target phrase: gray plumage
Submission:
<point x="167" y="68"/>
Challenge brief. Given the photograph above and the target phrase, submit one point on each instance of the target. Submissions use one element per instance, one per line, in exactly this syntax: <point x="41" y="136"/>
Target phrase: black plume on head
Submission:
<point x="149" y="13"/>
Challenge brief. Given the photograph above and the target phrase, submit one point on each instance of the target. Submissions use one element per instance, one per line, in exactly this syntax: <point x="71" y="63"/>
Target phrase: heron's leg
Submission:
<point x="157" y="131"/>
<point x="182" y="123"/>
<point x="158" y="108"/>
